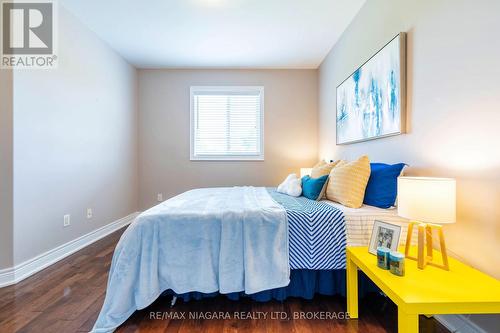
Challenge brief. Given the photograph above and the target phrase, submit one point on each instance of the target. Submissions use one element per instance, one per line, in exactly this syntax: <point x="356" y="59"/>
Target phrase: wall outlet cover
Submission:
<point x="67" y="220"/>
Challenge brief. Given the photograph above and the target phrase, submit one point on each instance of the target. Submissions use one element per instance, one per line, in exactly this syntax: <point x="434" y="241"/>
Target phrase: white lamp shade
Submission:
<point x="429" y="200"/>
<point x="305" y="172"/>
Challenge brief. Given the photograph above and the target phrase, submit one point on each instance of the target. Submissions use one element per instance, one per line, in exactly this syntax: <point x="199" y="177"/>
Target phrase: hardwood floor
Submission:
<point x="67" y="297"/>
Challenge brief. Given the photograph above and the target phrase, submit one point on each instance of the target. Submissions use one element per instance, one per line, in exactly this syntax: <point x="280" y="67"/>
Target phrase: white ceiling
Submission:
<point x="218" y="33"/>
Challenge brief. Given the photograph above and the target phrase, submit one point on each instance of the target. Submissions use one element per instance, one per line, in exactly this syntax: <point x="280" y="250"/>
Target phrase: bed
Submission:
<point x="240" y="241"/>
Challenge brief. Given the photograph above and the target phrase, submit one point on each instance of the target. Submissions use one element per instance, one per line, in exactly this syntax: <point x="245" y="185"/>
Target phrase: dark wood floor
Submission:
<point x="67" y="297"/>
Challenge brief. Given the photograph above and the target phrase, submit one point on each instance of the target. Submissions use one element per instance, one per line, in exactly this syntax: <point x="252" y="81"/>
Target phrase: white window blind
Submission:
<point x="227" y="123"/>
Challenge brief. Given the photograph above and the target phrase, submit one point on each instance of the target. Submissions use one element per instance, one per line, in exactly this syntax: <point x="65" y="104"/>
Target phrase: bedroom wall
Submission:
<point x="453" y="107"/>
<point x="75" y="142"/>
<point x="290" y="130"/>
<point x="6" y="132"/>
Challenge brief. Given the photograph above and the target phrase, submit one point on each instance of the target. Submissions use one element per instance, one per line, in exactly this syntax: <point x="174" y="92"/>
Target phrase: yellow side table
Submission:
<point x="461" y="290"/>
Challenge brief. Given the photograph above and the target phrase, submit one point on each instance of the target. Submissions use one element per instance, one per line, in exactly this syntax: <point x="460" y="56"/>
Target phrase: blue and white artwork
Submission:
<point x="369" y="102"/>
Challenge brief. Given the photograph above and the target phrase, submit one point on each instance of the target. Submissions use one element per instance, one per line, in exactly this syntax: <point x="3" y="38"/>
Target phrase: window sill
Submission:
<point x="227" y="158"/>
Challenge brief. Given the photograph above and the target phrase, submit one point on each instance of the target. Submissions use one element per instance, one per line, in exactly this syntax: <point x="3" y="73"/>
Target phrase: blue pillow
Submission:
<point x="312" y="187"/>
<point x="381" y="190"/>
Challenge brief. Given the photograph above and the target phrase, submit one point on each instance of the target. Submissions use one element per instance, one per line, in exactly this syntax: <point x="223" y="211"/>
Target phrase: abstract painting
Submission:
<point x="371" y="102"/>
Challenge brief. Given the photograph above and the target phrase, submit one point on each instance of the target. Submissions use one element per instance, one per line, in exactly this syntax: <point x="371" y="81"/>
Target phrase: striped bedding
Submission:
<point x="359" y="223"/>
<point x="317" y="234"/>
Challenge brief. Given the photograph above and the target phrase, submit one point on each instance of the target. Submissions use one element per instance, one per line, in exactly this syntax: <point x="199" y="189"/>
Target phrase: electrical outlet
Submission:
<point x="89" y="213"/>
<point x="67" y="220"/>
<point x="159" y="197"/>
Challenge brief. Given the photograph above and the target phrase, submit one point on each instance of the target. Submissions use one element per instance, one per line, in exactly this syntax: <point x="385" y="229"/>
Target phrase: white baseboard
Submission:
<point x="459" y="324"/>
<point x="25" y="269"/>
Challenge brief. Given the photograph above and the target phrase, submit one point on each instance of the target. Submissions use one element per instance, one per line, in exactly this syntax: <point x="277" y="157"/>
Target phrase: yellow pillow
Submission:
<point x="347" y="182"/>
<point x="322" y="168"/>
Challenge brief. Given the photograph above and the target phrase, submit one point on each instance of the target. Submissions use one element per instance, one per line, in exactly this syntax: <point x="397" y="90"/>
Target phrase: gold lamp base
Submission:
<point x="425" y="241"/>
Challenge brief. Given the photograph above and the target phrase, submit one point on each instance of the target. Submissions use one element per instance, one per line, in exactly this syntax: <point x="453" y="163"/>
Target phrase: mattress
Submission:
<point x="359" y="223"/>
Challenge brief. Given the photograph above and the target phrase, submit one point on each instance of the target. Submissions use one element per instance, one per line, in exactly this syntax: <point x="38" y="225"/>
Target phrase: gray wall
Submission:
<point x="290" y="130"/>
<point x="75" y="142"/>
<point x="453" y="97"/>
<point x="6" y="133"/>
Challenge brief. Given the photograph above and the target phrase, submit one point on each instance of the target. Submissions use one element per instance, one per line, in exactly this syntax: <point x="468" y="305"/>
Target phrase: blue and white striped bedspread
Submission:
<point x="317" y="236"/>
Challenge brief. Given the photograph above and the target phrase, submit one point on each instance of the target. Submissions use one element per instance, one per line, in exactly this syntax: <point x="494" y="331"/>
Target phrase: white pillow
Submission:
<point x="291" y="186"/>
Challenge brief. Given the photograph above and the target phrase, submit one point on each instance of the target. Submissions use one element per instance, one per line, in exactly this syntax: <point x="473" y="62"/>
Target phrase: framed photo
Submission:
<point x="384" y="234"/>
<point x="371" y="103"/>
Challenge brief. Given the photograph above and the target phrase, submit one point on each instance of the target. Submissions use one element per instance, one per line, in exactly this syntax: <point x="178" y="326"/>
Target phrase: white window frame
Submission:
<point x="256" y="157"/>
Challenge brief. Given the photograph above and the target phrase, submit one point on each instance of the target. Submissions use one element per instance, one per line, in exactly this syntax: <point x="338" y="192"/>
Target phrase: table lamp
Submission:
<point x="427" y="203"/>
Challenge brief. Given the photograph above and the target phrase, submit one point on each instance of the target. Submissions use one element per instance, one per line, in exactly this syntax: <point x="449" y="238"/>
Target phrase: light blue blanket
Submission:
<point x="206" y="240"/>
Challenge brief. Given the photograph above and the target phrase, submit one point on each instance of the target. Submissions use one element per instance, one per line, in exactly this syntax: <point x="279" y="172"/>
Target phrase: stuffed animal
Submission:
<point x="291" y="186"/>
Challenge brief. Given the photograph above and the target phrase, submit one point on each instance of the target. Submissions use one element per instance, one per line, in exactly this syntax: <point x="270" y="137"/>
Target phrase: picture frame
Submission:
<point x="384" y="234"/>
<point x="371" y="102"/>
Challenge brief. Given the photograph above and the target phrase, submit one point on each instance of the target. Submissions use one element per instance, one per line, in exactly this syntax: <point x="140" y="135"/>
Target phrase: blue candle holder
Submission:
<point x="383" y="257"/>
<point x="397" y="263"/>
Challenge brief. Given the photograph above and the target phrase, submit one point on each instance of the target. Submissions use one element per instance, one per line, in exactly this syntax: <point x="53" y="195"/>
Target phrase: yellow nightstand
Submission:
<point x="461" y="290"/>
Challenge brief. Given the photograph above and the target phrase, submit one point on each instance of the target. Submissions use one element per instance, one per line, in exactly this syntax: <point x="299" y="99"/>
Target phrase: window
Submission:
<point x="227" y="123"/>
